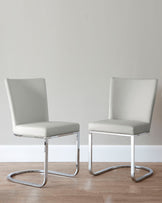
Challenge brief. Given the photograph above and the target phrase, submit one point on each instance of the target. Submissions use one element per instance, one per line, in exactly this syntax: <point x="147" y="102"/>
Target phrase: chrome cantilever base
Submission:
<point x="132" y="166"/>
<point x="46" y="171"/>
<point x="125" y="166"/>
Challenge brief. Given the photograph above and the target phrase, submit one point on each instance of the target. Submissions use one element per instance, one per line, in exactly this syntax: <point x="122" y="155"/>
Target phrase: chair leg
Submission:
<point x="91" y="161"/>
<point x="77" y="160"/>
<point x="46" y="171"/>
<point x="133" y="167"/>
<point x="118" y="166"/>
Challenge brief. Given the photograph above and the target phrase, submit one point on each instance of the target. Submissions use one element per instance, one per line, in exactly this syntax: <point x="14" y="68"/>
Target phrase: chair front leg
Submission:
<point x="133" y="167"/>
<point x="90" y="163"/>
<point x="45" y="171"/>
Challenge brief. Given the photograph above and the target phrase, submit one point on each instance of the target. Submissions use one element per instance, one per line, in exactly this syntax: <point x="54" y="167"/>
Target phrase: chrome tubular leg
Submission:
<point x="90" y="154"/>
<point x="77" y="160"/>
<point x="45" y="162"/>
<point x="90" y="164"/>
<point x="45" y="171"/>
<point x="132" y="156"/>
<point x="133" y="167"/>
<point x="77" y="153"/>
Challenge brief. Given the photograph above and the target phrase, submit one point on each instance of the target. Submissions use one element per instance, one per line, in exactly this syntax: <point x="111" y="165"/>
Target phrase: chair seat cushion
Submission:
<point x="46" y="129"/>
<point x="120" y="126"/>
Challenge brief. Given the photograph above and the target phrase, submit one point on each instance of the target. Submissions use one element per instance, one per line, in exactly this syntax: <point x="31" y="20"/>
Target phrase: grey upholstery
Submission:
<point x="120" y="126"/>
<point x="28" y="100"/>
<point x="132" y="99"/>
<point x="46" y="129"/>
<point x="29" y="110"/>
<point x="131" y="105"/>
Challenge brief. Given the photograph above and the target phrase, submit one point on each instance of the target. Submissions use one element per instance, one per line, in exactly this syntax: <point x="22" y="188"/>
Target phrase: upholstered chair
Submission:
<point x="29" y="113"/>
<point x="131" y="103"/>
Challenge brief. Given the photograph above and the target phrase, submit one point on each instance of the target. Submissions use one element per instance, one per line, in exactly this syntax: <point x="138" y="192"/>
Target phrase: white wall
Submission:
<point x="77" y="45"/>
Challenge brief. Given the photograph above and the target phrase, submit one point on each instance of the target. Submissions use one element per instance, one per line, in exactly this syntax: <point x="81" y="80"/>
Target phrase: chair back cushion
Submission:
<point x="132" y="99"/>
<point x="27" y="100"/>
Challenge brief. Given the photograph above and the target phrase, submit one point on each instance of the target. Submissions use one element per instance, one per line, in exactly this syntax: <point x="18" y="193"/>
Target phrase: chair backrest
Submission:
<point x="27" y="100"/>
<point x="132" y="99"/>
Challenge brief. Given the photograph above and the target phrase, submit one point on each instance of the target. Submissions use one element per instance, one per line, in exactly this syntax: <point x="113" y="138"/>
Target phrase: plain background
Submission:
<point x="78" y="45"/>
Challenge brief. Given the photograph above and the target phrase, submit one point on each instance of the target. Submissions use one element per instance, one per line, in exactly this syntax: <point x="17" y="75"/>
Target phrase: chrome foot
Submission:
<point x="11" y="175"/>
<point x="124" y="166"/>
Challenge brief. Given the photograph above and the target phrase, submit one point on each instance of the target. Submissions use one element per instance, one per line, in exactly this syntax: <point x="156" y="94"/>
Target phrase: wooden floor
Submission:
<point x="111" y="187"/>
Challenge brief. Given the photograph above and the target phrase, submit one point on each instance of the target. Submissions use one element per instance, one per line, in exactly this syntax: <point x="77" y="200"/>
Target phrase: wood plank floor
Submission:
<point x="112" y="187"/>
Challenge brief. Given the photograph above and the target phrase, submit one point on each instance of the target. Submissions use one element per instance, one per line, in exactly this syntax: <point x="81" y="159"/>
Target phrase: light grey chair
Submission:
<point x="131" y="104"/>
<point x="29" y="112"/>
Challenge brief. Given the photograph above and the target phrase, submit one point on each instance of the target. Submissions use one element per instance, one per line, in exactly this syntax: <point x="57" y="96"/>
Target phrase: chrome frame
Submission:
<point x="132" y="166"/>
<point x="46" y="171"/>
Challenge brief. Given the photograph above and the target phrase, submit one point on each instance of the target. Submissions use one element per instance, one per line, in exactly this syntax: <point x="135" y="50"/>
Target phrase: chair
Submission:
<point x="131" y="103"/>
<point x="29" y="112"/>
